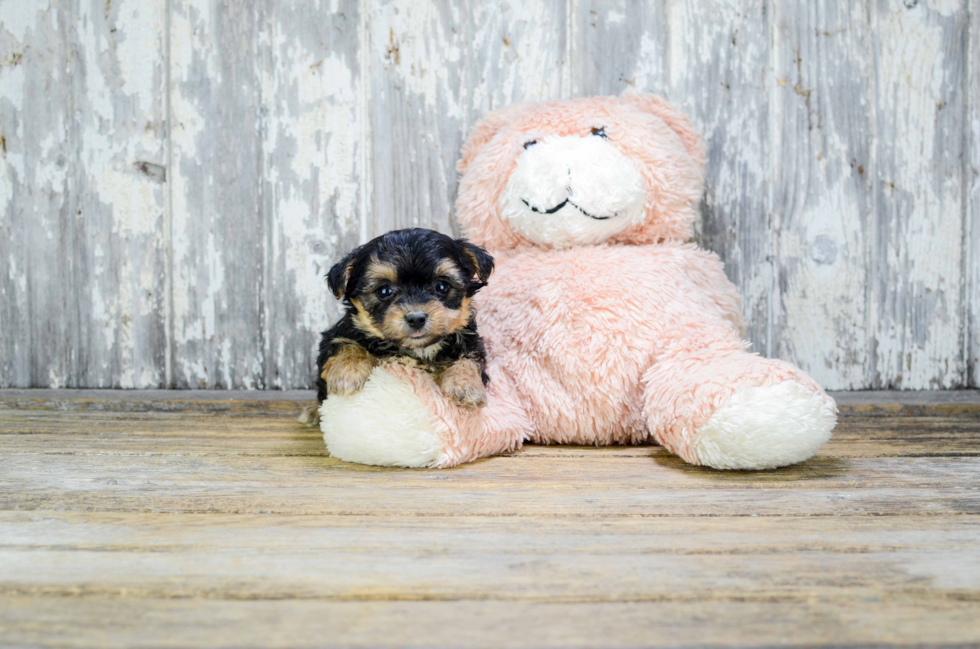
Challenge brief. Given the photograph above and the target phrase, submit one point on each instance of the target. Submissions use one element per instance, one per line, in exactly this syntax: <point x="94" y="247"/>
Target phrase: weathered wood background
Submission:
<point x="176" y="176"/>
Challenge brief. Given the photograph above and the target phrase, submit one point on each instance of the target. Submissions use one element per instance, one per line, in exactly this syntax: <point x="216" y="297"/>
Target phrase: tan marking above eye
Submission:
<point x="448" y="268"/>
<point x="378" y="272"/>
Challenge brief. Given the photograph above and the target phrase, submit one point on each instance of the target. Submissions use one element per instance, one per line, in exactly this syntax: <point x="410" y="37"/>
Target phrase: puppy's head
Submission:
<point x="411" y="287"/>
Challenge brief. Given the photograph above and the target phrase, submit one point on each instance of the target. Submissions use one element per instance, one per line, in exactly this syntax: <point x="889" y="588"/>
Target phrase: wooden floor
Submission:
<point x="143" y="520"/>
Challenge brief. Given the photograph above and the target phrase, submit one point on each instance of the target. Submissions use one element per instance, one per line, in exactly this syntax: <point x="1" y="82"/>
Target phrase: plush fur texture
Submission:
<point x="364" y="428"/>
<point x="401" y="418"/>
<point x="602" y="325"/>
<point x="765" y="427"/>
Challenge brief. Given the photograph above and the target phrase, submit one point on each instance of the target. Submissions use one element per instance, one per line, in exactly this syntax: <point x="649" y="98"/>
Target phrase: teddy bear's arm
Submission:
<point x="707" y="272"/>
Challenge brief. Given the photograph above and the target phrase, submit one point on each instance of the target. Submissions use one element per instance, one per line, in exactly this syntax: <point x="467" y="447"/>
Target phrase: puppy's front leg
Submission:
<point x="462" y="383"/>
<point x="347" y="370"/>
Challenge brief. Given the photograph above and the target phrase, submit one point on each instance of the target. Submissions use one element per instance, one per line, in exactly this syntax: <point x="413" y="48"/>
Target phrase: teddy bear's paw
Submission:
<point x="384" y="424"/>
<point x="766" y="427"/>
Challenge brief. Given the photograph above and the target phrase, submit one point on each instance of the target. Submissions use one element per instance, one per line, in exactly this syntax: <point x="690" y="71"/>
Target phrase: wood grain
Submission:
<point x="195" y="525"/>
<point x="823" y="195"/>
<point x="971" y="278"/>
<point x="917" y="249"/>
<point x="515" y="52"/>
<point x="866" y="403"/>
<point x="308" y="486"/>
<point x="35" y="197"/>
<point x="312" y="190"/>
<point x="425" y="97"/>
<point x="416" y="114"/>
<point x="154" y="462"/>
<point x="109" y="622"/>
<point x="239" y="430"/>
<point x="719" y="65"/>
<point x="83" y="142"/>
<point x="619" y="45"/>
<point x="119" y="183"/>
<point x="175" y="177"/>
<point x="347" y="558"/>
<point x="218" y="229"/>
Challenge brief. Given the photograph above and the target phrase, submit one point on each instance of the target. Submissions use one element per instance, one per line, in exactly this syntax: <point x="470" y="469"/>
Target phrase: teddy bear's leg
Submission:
<point x="713" y="403"/>
<point x="401" y="418"/>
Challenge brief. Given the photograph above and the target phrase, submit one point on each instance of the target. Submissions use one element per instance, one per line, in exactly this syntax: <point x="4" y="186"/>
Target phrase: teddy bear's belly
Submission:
<point x="577" y="330"/>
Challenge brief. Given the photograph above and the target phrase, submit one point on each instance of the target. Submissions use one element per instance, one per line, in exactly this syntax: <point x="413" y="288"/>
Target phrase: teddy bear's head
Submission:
<point x="624" y="169"/>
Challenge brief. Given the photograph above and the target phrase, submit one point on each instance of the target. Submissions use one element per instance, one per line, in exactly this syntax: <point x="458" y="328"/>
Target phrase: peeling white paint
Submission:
<point x="187" y="128"/>
<point x="135" y="209"/>
<point x="614" y="17"/>
<point x="326" y="137"/>
<point x="716" y="75"/>
<point x="20" y="18"/>
<point x="918" y="341"/>
<point x="823" y="203"/>
<point x="947" y="7"/>
<point x="138" y="26"/>
<point x="648" y="73"/>
<point x="971" y="281"/>
<point x="403" y="34"/>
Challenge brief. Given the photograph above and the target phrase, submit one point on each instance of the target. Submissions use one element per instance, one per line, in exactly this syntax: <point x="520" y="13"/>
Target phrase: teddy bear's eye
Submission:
<point x="600" y="131"/>
<point x="530" y="143"/>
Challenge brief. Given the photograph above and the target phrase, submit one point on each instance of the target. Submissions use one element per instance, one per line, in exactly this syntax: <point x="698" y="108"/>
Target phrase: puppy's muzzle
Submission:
<point x="416" y="319"/>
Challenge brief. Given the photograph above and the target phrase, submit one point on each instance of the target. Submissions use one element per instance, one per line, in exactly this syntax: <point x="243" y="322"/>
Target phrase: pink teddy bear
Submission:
<point x="603" y="324"/>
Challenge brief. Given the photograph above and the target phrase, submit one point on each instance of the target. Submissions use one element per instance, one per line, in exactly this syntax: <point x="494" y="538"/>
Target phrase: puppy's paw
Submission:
<point x="347" y="371"/>
<point x="347" y="382"/>
<point x="346" y="387"/>
<point x="310" y="416"/>
<point x="463" y="385"/>
<point x="473" y="396"/>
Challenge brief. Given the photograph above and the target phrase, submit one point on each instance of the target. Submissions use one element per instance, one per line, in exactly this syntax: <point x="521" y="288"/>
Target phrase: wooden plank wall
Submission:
<point x="177" y="175"/>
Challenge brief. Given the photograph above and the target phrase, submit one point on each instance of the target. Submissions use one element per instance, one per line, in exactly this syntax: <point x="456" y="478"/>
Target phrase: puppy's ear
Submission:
<point x="480" y="260"/>
<point x="339" y="275"/>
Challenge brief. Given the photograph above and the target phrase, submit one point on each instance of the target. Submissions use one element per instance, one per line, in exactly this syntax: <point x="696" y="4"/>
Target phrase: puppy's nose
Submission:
<point x="416" y="319"/>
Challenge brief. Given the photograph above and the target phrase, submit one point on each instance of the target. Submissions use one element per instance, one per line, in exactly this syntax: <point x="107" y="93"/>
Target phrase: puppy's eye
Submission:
<point x="442" y="287"/>
<point x="384" y="292"/>
<point x="530" y="143"/>
<point x="600" y="131"/>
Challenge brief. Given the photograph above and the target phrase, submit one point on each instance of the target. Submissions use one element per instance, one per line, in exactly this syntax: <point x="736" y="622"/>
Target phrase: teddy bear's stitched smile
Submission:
<point x="562" y="204"/>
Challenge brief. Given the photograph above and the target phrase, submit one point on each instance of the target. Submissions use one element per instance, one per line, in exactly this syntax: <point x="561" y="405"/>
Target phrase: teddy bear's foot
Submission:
<point x="763" y="427"/>
<point x="735" y="410"/>
<point x="384" y="424"/>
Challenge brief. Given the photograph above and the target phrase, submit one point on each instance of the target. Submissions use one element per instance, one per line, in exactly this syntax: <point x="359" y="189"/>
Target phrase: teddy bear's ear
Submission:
<point x="674" y="118"/>
<point x="484" y="131"/>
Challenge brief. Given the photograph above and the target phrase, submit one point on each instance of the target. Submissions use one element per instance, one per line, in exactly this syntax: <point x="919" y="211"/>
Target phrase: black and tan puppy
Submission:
<point x="407" y="295"/>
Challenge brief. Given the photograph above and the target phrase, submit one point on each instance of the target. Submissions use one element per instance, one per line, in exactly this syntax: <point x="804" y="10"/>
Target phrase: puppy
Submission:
<point x="407" y="295"/>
